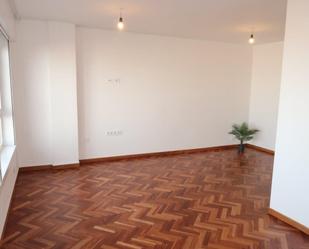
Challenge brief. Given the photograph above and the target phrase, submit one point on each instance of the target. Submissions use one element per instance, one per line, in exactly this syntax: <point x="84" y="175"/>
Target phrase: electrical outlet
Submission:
<point x="114" y="133"/>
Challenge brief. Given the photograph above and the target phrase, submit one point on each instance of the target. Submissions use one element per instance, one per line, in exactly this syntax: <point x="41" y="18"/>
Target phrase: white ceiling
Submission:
<point x="216" y="20"/>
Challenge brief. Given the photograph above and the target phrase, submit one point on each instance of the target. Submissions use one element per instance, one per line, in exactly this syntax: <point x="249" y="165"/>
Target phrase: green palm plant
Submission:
<point x="243" y="134"/>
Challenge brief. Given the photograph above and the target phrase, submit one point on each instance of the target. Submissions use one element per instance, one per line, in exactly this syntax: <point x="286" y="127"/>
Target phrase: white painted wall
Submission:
<point x="62" y="77"/>
<point x="195" y="87"/>
<point x="265" y="90"/>
<point x="174" y="93"/>
<point x="45" y="93"/>
<point x="291" y="172"/>
<point x="6" y="189"/>
<point x="32" y="95"/>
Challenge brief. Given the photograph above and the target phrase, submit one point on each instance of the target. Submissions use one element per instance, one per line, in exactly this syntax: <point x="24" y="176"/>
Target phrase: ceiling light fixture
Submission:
<point x="120" y="22"/>
<point x="251" y="39"/>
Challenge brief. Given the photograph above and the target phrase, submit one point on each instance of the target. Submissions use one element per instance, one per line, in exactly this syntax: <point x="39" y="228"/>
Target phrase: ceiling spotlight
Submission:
<point x="251" y="39"/>
<point x="120" y="22"/>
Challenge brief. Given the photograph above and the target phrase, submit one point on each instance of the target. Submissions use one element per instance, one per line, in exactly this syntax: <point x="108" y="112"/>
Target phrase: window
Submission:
<point x="6" y="114"/>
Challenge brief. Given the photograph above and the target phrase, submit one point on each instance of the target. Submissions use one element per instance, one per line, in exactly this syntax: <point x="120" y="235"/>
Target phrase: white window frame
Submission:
<point x="7" y="146"/>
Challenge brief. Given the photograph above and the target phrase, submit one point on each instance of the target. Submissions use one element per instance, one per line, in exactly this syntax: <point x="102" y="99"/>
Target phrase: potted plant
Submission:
<point x="243" y="134"/>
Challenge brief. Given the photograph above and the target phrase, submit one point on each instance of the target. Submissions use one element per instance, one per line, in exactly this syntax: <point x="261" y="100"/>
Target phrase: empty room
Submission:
<point x="176" y="124"/>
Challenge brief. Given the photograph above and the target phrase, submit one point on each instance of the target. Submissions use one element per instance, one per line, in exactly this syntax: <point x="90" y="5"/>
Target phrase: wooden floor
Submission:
<point x="213" y="200"/>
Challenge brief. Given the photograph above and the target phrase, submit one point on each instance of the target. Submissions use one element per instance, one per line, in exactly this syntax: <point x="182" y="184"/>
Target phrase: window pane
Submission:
<point x="6" y="119"/>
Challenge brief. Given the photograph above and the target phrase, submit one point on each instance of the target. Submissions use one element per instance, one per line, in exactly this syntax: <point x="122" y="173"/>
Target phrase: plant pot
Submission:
<point x="241" y="148"/>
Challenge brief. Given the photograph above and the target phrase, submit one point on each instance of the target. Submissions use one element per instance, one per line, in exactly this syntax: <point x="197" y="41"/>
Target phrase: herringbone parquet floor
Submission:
<point x="213" y="200"/>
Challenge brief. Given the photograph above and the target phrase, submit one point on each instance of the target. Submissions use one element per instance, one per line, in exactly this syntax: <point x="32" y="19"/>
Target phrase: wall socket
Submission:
<point x="114" y="133"/>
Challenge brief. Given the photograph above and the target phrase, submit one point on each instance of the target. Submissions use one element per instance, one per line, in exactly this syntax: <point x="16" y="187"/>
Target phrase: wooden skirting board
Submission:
<point x="261" y="149"/>
<point x="289" y="221"/>
<point x="143" y="155"/>
<point x="165" y="153"/>
<point x="125" y="157"/>
<point x="49" y="167"/>
<point x="170" y="153"/>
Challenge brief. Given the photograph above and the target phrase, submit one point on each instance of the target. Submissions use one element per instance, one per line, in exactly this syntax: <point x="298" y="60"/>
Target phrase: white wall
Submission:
<point x="30" y="57"/>
<point x="6" y="189"/>
<point x="291" y="171"/>
<point x="174" y="93"/>
<point x="62" y="77"/>
<point x="265" y="90"/>
<point x="45" y="93"/>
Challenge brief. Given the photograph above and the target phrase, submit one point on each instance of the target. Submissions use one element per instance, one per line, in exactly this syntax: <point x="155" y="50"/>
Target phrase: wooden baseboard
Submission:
<point x="66" y="166"/>
<point x="49" y="167"/>
<point x="137" y="156"/>
<point x="165" y="153"/>
<point x="261" y="149"/>
<point x="35" y="168"/>
<point x="288" y="220"/>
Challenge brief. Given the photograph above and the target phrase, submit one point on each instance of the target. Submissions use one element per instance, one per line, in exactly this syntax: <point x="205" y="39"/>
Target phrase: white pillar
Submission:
<point x="63" y="85"/>
<point x="291" y="171"/>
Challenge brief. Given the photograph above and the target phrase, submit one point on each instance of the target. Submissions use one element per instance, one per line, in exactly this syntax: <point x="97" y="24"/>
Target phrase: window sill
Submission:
<point x="7" y="153"/>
